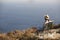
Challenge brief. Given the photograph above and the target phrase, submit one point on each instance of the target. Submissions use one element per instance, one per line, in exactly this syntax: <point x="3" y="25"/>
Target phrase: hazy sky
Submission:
<point x="33" y="1"/>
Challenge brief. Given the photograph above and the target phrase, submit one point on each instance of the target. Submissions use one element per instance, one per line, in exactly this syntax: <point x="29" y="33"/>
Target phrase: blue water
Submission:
<point x="15" y="16"/>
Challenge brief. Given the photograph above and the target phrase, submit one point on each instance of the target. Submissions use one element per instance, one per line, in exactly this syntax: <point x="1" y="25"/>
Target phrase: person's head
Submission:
<point x="46" y="17"/>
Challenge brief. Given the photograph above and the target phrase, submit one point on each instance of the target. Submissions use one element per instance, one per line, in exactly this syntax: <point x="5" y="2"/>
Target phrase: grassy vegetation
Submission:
<point x="19" y="35"/>
<point x="28" y="34"/>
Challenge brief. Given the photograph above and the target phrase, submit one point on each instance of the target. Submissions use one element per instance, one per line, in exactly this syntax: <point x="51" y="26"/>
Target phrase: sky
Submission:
<point x="33" y="1"/>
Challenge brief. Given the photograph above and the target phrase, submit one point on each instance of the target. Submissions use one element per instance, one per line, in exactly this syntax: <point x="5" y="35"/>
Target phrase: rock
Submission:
<point x="30" y="34"/>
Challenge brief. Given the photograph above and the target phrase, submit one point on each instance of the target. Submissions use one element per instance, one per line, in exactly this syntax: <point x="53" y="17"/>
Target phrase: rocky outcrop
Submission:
<point x="30" y="34"/>
<point x="19" y="35"/>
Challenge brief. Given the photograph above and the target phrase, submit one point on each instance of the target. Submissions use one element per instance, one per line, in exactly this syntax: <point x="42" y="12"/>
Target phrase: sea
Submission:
<point x="20" y="16"/>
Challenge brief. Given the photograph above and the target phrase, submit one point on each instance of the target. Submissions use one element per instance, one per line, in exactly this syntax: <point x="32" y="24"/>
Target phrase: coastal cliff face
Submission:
<point x="19" y="35"/>
<point x="32" y="34"/>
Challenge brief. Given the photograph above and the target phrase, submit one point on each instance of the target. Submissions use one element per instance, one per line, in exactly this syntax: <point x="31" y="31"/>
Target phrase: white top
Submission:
<point x="48" y="21"/>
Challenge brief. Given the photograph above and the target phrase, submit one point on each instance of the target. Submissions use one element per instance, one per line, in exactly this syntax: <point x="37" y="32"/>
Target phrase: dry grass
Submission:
<point x="28" y="34"/>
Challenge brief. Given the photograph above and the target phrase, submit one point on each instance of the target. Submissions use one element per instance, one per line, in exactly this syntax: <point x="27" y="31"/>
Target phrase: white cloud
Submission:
<point x="46" y="1"/>
<point x="14" y="0"/>
<point x="33" y="1"/>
